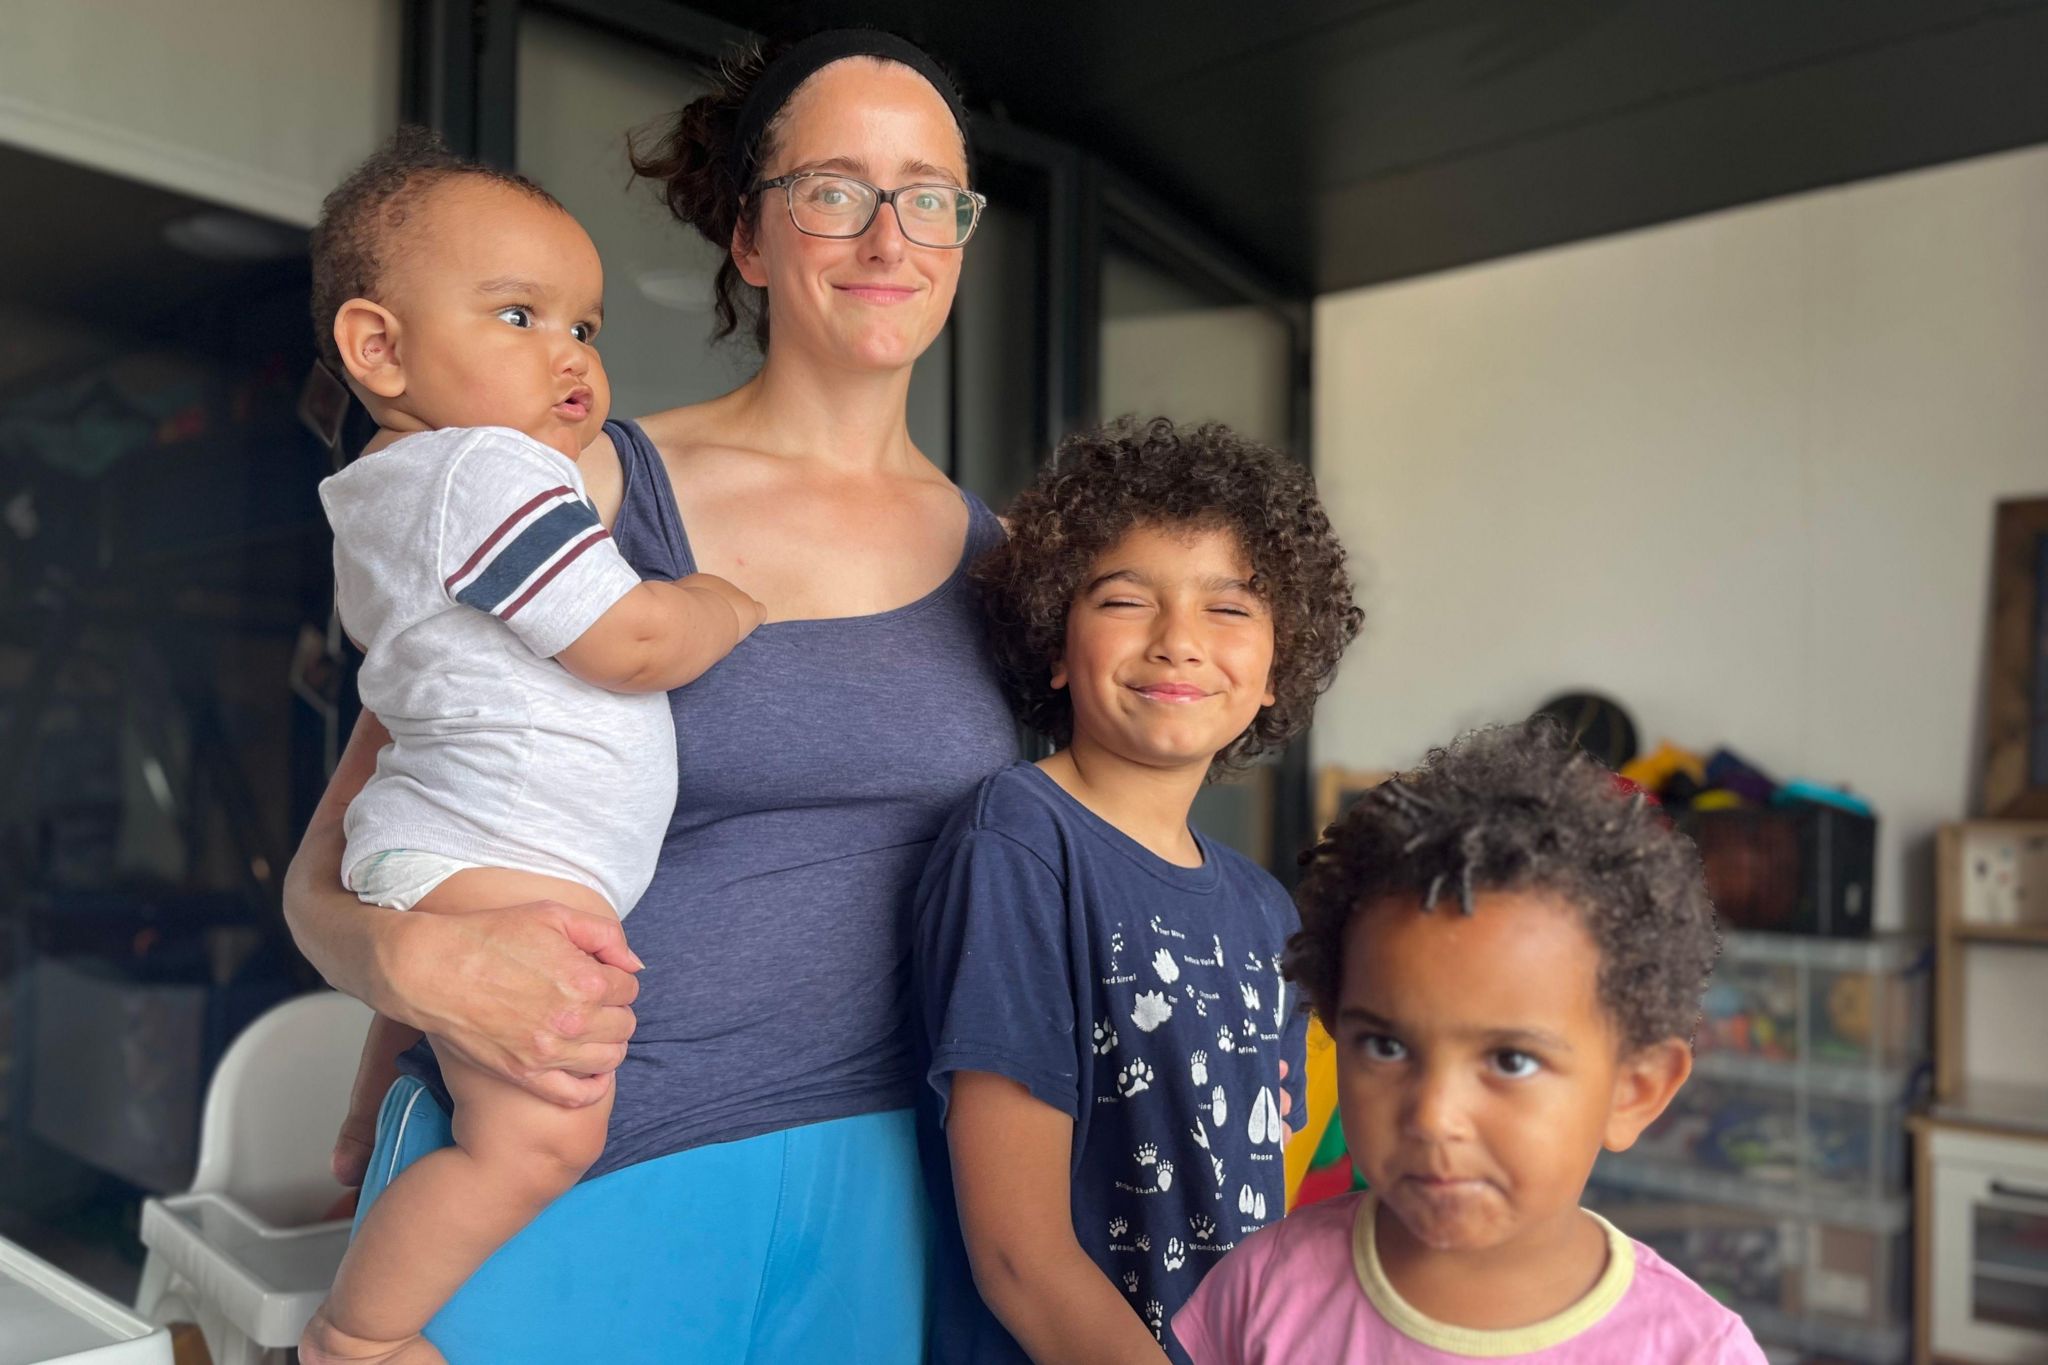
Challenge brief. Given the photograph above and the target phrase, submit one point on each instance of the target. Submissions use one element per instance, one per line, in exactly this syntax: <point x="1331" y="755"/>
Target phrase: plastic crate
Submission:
<point x="1850" y="1003"/>
<point x="1845" y="1268"/>
<point x="1804" y="1133"/>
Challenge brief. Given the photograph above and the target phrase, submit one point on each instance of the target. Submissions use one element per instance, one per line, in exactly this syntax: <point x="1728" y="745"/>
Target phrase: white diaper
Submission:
<point x="400" y="878"/>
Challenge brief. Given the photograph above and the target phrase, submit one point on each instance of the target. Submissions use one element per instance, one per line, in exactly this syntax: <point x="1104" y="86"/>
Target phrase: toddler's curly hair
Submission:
<point x="1518" y="808"/>
<point x="1102" y="484"/>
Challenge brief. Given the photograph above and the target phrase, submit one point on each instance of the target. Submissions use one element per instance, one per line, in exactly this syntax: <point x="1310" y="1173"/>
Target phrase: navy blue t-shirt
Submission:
<point x="1142" y="999"/>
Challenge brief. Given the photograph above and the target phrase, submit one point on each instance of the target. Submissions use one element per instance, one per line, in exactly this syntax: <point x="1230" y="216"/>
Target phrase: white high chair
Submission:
<point x="240" y="1253"/>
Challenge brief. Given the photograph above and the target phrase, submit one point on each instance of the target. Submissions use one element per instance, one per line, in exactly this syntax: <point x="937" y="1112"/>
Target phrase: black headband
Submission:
<point x="805" y="60"/>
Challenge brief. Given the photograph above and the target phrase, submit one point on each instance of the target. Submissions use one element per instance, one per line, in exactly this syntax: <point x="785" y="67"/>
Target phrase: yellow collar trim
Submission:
<point x="1468" y="1341"/>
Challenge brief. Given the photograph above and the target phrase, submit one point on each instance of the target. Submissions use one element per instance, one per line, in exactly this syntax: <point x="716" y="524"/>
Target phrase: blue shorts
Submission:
<point x="807" y="1244"/>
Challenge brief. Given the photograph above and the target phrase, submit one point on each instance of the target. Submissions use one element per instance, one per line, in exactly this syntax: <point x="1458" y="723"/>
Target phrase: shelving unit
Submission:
<point x="1981" y="1149"/>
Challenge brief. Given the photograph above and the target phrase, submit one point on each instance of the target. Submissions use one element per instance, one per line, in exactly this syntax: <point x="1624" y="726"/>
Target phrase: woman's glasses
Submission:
<point x="826" y="204"/>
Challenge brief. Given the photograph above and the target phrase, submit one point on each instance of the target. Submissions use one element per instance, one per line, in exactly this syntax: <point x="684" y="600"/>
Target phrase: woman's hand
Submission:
<point x="538" y="994"/>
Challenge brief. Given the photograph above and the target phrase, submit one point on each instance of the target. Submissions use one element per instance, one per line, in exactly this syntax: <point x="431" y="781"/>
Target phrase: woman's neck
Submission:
<point x="854" y="419"/>
<point x="1148" y="804"/>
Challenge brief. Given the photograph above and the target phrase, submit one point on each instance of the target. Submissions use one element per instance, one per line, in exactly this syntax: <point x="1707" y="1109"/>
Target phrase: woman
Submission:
<point x="759" y="1195"/>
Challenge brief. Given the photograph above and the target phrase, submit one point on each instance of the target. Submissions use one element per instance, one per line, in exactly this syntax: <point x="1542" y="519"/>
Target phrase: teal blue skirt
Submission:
<point x="807" y="1244"/>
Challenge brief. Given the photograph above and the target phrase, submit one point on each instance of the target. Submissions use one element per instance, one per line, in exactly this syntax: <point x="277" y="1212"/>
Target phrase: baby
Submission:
<point x="515" y="658"/>
<point x="1509" y="953"/>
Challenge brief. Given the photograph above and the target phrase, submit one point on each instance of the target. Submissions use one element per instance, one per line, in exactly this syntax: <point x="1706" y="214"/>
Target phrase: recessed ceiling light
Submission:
<point x="220" y="235"/>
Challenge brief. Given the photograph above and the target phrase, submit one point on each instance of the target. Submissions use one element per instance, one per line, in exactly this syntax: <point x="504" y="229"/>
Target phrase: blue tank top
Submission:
<point x="817" y="763"/>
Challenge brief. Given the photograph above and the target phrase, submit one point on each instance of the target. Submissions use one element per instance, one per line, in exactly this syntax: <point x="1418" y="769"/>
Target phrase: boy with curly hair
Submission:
<point x="1105" y="1021"/>
<point x="1509" y="952"/>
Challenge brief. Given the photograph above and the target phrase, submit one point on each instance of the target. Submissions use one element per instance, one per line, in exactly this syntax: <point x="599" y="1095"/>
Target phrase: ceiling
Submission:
<point x="1337" y="143"/>
<point x="91" y="271"/>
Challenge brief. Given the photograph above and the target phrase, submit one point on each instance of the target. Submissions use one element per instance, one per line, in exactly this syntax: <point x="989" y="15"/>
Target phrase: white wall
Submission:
<point x="1737" y="472"/>
<point x="261" y="105"/>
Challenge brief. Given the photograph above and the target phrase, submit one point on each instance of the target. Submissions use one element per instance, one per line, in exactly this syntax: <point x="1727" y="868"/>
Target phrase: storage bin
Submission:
<point x="1800" y="1132"/>
<point x="1833" y="1002"/>
<point x="1847" y="1264"/>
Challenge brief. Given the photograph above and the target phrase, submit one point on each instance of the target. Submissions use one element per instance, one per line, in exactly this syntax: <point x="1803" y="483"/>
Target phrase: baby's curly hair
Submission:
<point x="351" y="244"/>
<point x="1104" y="483"/>
<point x="1517" y="808"/>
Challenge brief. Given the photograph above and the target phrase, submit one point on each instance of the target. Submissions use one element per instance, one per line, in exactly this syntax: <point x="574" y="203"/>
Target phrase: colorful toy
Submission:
<point x="1754" y="1012"/>
<point x="1318" y="1160"/>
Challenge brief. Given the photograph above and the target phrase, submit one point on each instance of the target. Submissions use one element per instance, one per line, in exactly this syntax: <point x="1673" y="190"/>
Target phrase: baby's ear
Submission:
<point x="366" y="334"/>
<point x="1644" y="1085"/>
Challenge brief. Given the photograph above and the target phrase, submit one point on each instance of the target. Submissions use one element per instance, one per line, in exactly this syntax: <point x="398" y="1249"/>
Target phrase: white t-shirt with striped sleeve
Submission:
<point x="464" y="561"/>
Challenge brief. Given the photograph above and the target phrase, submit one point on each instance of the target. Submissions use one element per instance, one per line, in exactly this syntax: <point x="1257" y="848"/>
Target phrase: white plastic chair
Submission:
<point x="240" y="1253"/>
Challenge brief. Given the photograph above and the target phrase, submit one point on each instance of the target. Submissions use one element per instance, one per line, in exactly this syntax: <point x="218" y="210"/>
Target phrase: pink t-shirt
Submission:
<point x="1310" y="1287"/>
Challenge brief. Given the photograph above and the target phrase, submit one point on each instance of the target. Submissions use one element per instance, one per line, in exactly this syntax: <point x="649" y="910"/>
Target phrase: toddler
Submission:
<point x="1509" y="953"/>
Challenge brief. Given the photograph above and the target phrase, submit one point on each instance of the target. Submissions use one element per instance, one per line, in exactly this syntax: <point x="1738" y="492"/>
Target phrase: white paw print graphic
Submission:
<point x="1130" y="1282"/>
<point x="1142" y="1242"/>
<point x="1202" y="1225"/>
<point x="1251" y="1203"/>
<point x="1251" y="1030"/>
<point x="1119" y="1226"/>
<point x="1224" y="1042"/>
<point x="1155" y="1318"/>
<point x="1105" y="1036"/>
<point x="1175" y="1256"/>
<point x="1249" y="993"/>
<point x="1135" y="1077"/>
<point x="1148" y="1155"/>
<point x="1265" y="1125"/>
<point x="1198" y="1068"/>
<point x="1165" y="966"/>
<point x="1150" y="1010"/>
<point x="1219" y="1109"/>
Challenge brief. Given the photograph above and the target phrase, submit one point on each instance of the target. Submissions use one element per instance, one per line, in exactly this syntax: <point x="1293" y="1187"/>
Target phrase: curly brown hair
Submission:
<point x="1517" y="808"/>
<point x="352" y="243"/>
<point x="1103" y="483"/>
<point x="689" y="158"/>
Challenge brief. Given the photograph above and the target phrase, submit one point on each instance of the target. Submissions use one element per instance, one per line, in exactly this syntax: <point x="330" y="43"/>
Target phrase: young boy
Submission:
<point x="1509" y="954"/>
<point x="516" y="659"/>
<point x="1106" y="1024"/>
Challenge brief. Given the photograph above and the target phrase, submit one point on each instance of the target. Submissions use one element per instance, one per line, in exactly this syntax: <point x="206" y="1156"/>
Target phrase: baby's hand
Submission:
<point x="749" y="612"/>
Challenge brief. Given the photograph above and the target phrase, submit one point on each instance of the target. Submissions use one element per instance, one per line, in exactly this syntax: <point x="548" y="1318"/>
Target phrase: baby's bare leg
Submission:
<point x="514" y="1153"/>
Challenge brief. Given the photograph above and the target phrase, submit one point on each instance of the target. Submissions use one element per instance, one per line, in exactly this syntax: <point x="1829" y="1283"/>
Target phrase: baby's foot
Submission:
<point x="326" y="1344"/>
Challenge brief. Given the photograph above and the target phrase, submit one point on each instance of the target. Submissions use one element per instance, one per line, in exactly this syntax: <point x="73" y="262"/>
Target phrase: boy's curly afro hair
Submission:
<point x="1517" y="808"/>
<point x="1104" y="483"/>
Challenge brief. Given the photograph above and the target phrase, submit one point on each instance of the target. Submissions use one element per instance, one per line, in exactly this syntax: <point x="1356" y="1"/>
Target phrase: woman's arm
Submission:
<point x="1011" y="1154"/>
<point x="539" y="994"/>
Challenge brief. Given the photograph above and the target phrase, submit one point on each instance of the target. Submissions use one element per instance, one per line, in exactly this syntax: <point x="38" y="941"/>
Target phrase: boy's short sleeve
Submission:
<point x="519" y="541"/>
<point x="995" y="972"/>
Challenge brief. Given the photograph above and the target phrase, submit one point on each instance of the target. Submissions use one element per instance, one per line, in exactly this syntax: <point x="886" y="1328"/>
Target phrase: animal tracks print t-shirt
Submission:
<point x="1142" y="999"/>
